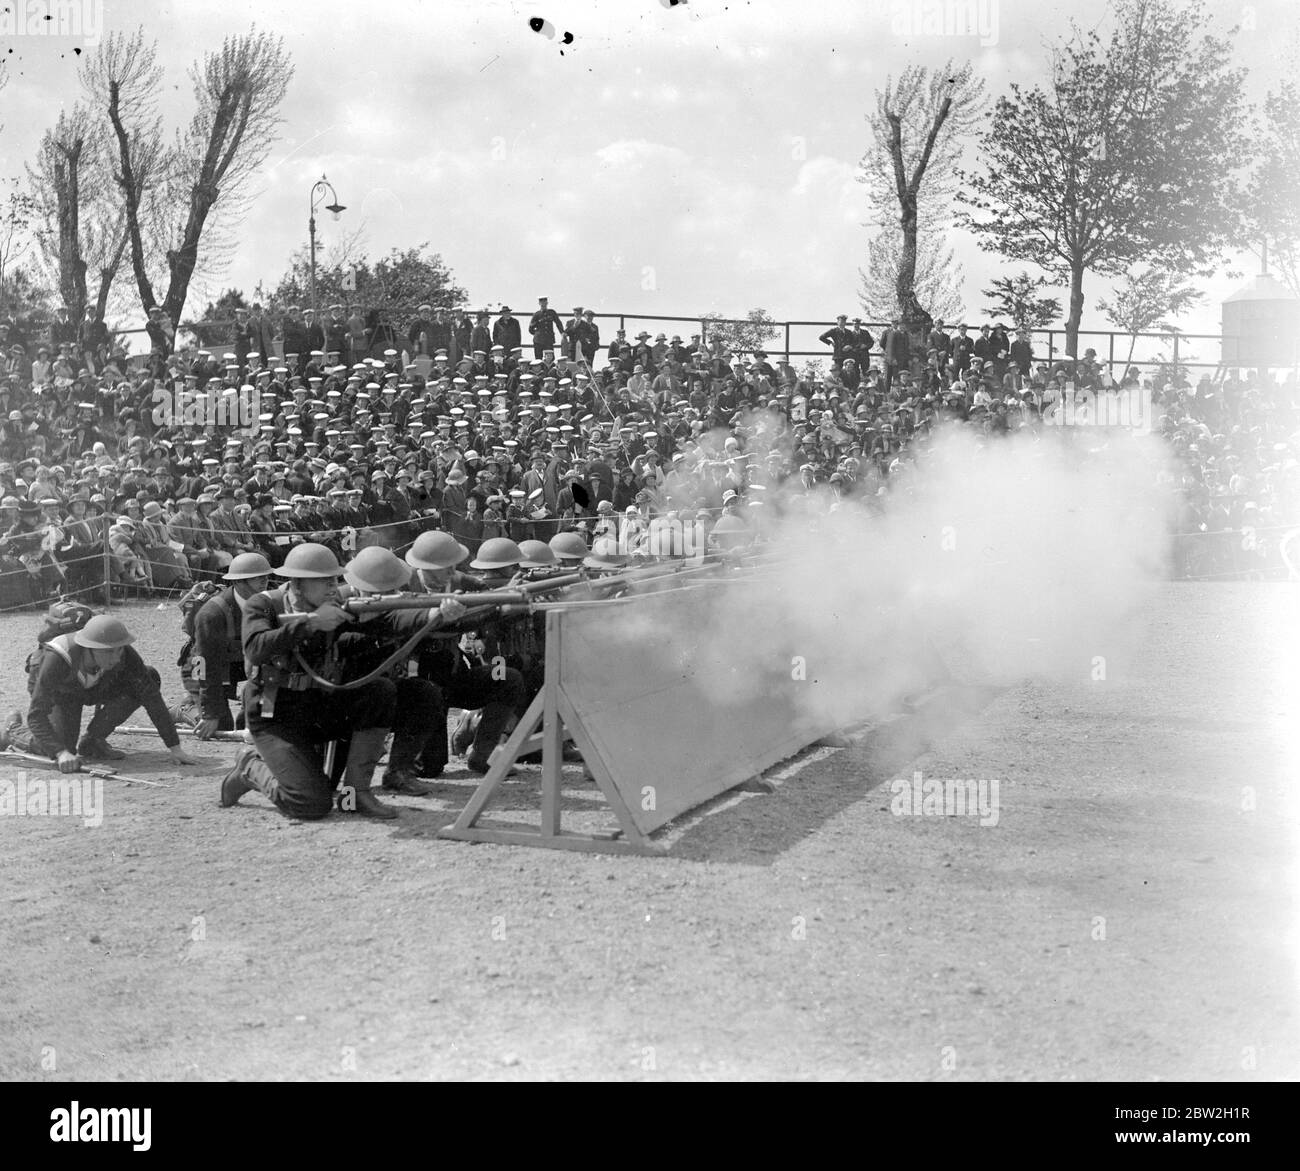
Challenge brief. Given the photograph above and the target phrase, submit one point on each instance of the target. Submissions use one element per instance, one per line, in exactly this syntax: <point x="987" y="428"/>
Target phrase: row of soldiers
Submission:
<point x="321" y="681"/>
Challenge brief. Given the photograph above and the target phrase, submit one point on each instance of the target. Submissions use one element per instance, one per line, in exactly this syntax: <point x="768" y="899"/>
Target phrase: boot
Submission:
<point x="466" y="729"/>
<point x="400" y="775"/>
<point x="97" y="748"/>
<point x="248" y="773"/>
<point x="363" y="755"/>
<point x="7" y="733"/>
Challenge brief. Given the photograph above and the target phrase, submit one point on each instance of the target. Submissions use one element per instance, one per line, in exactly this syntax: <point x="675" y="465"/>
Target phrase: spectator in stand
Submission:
<point x="506" y="331"/>
<point x="895" y="351"/>
<point x="419" y="335"/>
<point x="358" y="334"/>
<point x="1021" y="354"/>
<point x="841" y="340"/>
<point x="160" y="338"/>
<point x="542" y="327"/>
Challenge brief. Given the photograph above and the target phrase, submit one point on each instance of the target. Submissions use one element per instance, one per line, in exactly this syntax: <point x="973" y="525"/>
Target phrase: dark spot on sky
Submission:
<point x="536" y="23"/>
<point x="568" y="38"/>
<point x="77" y="51"/>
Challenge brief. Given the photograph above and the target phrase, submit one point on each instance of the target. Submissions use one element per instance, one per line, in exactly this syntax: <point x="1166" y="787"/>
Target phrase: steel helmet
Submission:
<point x="605" y="555"/>
<point x="377" y="570"/>
<point x="103" y="633"/>
<point x="536" y="555"/>
<point x="436" y="550"/>
<point x="497" y="553"/>
<point x="310" y="560"/>
<point x="246" y="565"/>
<point x="568" y="546"/>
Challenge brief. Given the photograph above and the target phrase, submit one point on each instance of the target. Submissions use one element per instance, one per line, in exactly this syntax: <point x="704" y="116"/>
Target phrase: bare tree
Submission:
<point x="81" y="227"/>
<point x="185" y="194"/>
<point x="911" y="166"/>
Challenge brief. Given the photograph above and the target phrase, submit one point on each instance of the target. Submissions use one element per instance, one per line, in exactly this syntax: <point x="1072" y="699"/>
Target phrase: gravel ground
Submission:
<point x="1130" y="916"/>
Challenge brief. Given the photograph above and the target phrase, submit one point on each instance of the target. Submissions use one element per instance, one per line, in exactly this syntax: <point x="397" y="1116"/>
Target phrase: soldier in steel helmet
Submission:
<point x="495" y="688"/>
<point x="419" y="706"/>
<point x="93" y="667"/>
<point x="296" y="642"/>
<point x="212" y="664"/>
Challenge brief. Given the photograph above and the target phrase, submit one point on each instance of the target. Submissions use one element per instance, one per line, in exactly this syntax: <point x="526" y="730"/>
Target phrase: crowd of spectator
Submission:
<point x="354" y="430"/>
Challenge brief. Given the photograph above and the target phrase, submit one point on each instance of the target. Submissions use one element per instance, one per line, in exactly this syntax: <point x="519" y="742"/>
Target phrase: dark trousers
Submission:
<point x="420" y="715"/>
<point x="112" y="703"/>
<point x="474" y="688"/>
<point x="292" y="743"/>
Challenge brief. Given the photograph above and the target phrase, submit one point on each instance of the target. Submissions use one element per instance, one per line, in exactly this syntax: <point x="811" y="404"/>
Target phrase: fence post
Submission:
<point x="787" y="343"/>
<point x="108" y="569"/>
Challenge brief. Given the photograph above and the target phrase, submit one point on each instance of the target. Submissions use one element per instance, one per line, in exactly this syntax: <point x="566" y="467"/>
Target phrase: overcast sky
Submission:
<point x="670" y="161"/>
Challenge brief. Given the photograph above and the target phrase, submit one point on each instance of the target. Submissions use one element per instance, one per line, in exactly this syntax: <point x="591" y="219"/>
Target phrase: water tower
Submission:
<point x="1261" y="326"/>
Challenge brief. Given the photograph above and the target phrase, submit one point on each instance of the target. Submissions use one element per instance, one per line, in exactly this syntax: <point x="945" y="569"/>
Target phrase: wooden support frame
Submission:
<point x="550" y="719"/>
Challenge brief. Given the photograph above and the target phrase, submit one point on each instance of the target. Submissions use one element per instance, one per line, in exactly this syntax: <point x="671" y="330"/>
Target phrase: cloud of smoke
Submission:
<point x="1025" y="556"/>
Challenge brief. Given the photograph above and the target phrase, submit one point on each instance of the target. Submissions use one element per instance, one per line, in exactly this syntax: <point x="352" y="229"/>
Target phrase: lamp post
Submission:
<point x="320" y="188"/>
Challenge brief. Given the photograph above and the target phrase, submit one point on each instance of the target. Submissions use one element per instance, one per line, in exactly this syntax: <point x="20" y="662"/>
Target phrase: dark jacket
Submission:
<point x="218" y="646"/>
<point x="507" y="333"/>
<point x="56" y="685"/>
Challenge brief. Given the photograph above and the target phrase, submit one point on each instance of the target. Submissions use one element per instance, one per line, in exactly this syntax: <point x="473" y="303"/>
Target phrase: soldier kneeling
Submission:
<point x="296" y="641"/>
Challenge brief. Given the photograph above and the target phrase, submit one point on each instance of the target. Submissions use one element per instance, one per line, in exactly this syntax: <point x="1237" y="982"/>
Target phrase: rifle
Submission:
<point x="483" y="600"/>
<point x="89" y="770"/>
<point x="219" y="737"/>
<point x="501" y="600"/>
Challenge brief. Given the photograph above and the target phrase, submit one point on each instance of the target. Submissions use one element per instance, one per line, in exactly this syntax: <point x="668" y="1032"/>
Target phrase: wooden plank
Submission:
<point x="582" y="843"/>
<point x="604" y="781"/>
<point x="552" y="739"/>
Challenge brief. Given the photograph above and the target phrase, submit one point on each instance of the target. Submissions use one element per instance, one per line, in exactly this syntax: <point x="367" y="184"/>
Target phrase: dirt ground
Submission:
<point x="1131" y="915"/>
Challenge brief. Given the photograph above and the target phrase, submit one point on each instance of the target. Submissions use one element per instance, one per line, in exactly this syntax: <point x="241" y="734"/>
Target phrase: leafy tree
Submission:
<point x="16" y="213"/>
<point x="1273" y="197"/>
<point x="1127" y="157"/>
<point x="1014" y="299"/>
<point x="937" y="278"/>
<point x="212" y="328"/>
<point x="27" y="301"/>
<point x="1143" y="302"/>
<point x="396" y="284"/>
<point x="740" y="337"/>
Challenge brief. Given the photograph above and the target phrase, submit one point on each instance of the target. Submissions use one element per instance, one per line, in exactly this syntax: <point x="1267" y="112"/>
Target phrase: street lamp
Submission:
<point x="318" y="192"/>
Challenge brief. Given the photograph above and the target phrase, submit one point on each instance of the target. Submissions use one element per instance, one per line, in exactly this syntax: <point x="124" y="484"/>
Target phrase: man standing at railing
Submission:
<point x="895" y="350"/>
<point x="294" y="332"/>
<point x="588" y="337"/>
<point x="419" y="336"/>
<point x="160" y="339"/>
<point x="841" y="340"/>
<point x="506" y="331"/>
<point x="338" y="338"/>
<point x="542" y="326"/>
<point x="1022" y="356"/>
